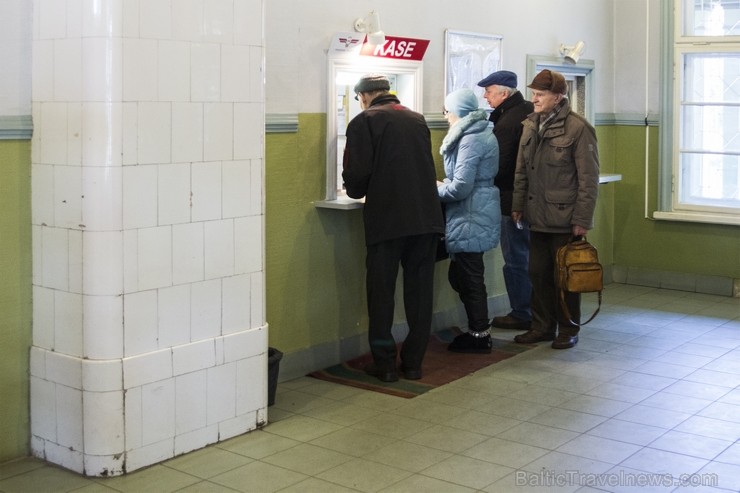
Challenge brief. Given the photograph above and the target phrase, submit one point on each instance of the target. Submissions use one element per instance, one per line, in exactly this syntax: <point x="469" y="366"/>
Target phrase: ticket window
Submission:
<point x="406" y="83"/>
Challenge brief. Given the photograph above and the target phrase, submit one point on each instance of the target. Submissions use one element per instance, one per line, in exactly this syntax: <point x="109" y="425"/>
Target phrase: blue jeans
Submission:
<point x="515" y="249"/>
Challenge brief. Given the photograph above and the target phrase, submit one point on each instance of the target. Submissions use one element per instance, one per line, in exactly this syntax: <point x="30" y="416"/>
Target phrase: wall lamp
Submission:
<point x="370" y="25"/>
<point x="572" y="53"/>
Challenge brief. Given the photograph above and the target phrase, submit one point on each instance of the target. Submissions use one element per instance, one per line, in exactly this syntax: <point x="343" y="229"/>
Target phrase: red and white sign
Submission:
<point x="397" y="48"/>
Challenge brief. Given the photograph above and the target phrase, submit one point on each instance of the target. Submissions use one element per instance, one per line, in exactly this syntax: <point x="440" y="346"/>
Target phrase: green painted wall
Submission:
<point x="692" y="248"/>
<point x="15" y="296"/>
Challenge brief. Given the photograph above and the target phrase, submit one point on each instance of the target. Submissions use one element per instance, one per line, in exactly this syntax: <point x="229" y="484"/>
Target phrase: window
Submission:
<point x="705" y="147"/>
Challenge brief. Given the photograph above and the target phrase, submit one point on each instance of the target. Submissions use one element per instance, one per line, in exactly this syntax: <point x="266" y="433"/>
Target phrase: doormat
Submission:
<point x="440" y="366"/>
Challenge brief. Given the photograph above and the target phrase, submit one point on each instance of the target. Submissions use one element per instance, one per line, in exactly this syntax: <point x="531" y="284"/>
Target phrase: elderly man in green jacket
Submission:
<point x="555" y="190"/>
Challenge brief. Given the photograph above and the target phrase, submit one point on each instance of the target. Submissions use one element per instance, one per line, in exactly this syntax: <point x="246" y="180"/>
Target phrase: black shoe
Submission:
<point x="532" y="336"/>
<point x="468" y="343"/>
<point x="382" y="374"/>
<point x="510" y="322"/>
<point x="563" y="341"/>
<point x="411" y="373"/>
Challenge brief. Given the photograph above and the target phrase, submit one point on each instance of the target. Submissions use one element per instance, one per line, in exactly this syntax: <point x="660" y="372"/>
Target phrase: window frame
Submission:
<point x="675" y="46"/>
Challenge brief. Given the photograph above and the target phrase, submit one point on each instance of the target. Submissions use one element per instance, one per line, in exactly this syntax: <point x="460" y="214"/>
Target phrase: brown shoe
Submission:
<point x="532" y="336"/>
<point x="510" y="322"/>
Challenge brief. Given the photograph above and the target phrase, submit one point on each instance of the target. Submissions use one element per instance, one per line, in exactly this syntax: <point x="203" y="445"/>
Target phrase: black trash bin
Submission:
<point x="273" y="369"/>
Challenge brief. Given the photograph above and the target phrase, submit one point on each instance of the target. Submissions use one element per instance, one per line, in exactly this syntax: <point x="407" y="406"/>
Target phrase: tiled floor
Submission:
<point x="648" y="398"/>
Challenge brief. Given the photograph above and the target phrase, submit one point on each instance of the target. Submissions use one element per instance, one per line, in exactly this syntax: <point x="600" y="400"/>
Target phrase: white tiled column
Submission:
<point x="149" y="336"/>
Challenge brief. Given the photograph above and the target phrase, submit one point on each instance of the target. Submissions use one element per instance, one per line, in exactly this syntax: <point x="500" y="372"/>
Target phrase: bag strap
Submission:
<point x="566" y="312"/>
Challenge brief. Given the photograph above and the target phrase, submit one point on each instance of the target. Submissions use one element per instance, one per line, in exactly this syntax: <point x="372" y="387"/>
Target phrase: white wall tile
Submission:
<point x="133" y="418"/>
<point x="236" y="186"/>
<point x="187" y="20"/>
<point x="43" y="409"/>
<point x="103" y="327"/>
<point x="62" y="455"/>
<point x="104" y="465"/>
<point x="193" y="357"/>
<point x="130" y="129"/>
<point x="54" y="255"/>
<point x="68" y="323"/>
<point x="102" y="270"/>
<point x="139" y="69"/>
<point x="43" y="317"/>
<point x="251" y="384"/>
<point x="248" y="22"/>
<point x="63" y="369"/>
<point x="218" y="130"/>
<point x="173" y="192"/>
<point x="74" y="18"/>
<point x="205" y="310"/>
<point x="187" y="132"/>
<point x="53" y="130"/>
<point x="131" y="261"/>
<point x="42" y="82"/>
<point x="187" y="253"/>
<point x="187" y="442"/>
<point x="155" y="18"/>
<point x="67" y="196"/>
<point x="257" y="188"/>
<point x="250" y="129"/>
<point x="69" y="417"/>
<point x="221" y="393"/>
<point x="257" y="74"/>
<point x="235" y="73"/>
<point x="147" y="368"/>
<point x="103" y="19"/>
<point x="101" y="130"/>
<point x="173" y="71"/>
<point x="74" y="134"/>
<point x="257" y="299"/>
<point x="102" y="206"/>
<point x="236" y="305"/>
<point x="238" y="425"/>
<point x="140" y="315"/>
<point x="190" y="402"/>
<point x="74" y="242"/>
<point x="155" y="257"/>
<point x="174" y="317"/>
<point x="150" y="454"/>
<point x="219" y="251"/>
<point x="154" y="133"/>
<point x="42" y="194"/>
<point x="68" y="70"/>
<point x="36" y="271"/>
<point x="249" y="244"/>
<point x="130" y="19"/>
<point x="102" y="68"/>
<point x="244" y="345"/>
<point x="218" y="21"/>
<point x="139" y="196"/>
<point x="103" y="415"/>
<point x="205" y="72"/>
<point x="37" y="362"/>
<point x="158" y="402"/>
<point x="102" y="376"/>
<point x="206" y="187"/>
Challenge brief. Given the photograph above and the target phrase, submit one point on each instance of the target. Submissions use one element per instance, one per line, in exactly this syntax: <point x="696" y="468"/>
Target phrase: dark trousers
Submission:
<point x="466" y="278"/>
<point x="546" y="312"/>
<point x="416" y="255"/>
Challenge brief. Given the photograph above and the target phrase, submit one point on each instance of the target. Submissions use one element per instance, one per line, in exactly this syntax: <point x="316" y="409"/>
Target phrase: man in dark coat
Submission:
<point x="510" y="109"/>
<point x="388" y="160"/>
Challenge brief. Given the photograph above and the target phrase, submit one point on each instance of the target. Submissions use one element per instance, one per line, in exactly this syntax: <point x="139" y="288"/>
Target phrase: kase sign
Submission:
<point x="397" y="48"/>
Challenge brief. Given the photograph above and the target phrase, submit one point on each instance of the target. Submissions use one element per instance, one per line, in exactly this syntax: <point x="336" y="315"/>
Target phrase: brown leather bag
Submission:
<point x="578" y="271"/>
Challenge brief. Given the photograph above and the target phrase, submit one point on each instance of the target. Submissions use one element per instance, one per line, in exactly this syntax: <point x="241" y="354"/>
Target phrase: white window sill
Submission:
<point x="697" y="217"/>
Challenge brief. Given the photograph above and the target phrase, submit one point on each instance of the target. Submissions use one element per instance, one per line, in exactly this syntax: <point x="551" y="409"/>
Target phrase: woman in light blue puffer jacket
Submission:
<point x="472" y="211"/>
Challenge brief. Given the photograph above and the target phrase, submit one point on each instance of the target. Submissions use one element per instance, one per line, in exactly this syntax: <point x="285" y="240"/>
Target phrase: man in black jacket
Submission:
<point x="388" y="160"/>
<point x="510" y="109"/>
